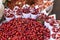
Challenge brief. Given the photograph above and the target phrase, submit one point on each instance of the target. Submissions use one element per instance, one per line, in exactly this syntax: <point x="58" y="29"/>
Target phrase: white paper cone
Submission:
<point x="44" y="1"/>
<point x="50" y="28"/>
<point x="49" y="7"/>
<point x="54" y="15"/>
<point x="51" y="38"/>
<point x="33" y="16"/>
<point x="38" y="15"/>
<point x="18" y="16"/>
<point x="44" y="11"/>
<point x="26" y="15"/>
<point x="8" y="19"/>
<point x="51" y="0"/>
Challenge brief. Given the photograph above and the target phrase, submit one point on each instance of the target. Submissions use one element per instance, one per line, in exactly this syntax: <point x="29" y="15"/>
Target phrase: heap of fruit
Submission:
<point x="23" y="29"/>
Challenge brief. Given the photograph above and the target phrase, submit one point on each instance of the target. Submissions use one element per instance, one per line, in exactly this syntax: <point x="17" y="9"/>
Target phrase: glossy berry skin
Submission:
<point x="23" y="29"/>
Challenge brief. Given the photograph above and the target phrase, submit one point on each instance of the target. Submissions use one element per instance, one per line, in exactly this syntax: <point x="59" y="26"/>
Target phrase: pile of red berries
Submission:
<point x="23" y="29"/>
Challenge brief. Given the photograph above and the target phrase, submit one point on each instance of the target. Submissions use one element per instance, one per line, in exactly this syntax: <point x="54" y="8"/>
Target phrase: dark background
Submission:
<point x="56" y="9"/>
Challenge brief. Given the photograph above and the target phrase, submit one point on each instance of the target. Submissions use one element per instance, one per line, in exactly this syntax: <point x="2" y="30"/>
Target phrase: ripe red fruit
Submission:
<point x="24" y="29"/>
<point x="54" y="35"/>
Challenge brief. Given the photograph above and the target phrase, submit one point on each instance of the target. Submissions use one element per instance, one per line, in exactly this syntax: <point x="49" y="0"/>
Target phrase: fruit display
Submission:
<point x="23" y="29"/>
<point x="53" y="25"/>
<point x="29" y="21"/>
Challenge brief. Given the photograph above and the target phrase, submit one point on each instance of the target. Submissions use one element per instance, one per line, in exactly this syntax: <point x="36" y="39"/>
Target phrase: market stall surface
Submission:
<point x="56" y="8"/>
